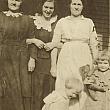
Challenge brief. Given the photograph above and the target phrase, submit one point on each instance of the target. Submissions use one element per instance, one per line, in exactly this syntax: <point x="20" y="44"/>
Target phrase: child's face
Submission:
<point x="71" y="93"/>
<point x="103" y="65"/>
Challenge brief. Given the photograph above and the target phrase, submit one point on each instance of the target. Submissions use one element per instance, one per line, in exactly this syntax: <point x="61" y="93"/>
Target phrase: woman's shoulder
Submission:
<point x="63" y="19"/>
<point x="26" y="19"/>
<point x="88" y="20"/>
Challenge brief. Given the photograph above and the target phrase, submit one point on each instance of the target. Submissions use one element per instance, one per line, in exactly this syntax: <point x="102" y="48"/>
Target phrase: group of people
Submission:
<point x="41" y="58"/>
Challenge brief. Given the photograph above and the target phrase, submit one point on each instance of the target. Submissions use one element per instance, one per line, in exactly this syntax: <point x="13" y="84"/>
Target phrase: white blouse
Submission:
<point x="82" y="29"/>
<point x="68" y="28"/>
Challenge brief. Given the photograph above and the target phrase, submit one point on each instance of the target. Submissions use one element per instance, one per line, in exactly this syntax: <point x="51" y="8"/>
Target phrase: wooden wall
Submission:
<point x="101" y="20"/>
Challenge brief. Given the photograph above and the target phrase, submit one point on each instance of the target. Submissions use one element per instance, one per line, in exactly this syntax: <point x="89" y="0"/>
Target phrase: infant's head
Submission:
<point x="73" y="87"/>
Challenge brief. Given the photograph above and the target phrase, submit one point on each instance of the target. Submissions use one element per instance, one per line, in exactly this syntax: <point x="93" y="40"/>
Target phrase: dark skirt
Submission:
<point x="43" y="82"/>
<point x="15" y="77"/>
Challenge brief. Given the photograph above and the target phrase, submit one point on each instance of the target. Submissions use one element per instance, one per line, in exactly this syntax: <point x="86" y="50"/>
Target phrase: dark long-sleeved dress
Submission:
<point x="14" y="57"/>
<point x="43" y="81"/>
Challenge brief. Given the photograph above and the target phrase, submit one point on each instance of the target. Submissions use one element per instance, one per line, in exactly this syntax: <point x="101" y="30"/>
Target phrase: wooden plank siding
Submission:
<point x="101" y="20"/>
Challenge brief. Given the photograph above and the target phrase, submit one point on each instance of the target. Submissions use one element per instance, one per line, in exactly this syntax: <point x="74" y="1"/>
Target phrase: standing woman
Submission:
<point x="15" y="59"/>
<point x="79" y="39"/>
<point x="45" y="22"/>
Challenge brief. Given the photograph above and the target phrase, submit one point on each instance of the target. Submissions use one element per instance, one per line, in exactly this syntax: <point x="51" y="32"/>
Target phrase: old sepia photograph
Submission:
<point x="54" y="55"/>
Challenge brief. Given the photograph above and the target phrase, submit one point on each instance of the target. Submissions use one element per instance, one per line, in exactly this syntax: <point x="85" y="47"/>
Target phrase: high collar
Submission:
<point x="10" y="13"/>
<point x="70" y="18"/>
<point x="40" y="22"/>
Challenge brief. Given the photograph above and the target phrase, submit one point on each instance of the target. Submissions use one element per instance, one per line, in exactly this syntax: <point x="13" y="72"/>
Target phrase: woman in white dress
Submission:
<point x="79" y="48"/>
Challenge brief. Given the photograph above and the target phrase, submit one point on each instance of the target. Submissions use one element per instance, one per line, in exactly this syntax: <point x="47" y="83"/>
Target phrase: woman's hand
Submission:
<point x="53" y="71"/>
<point x="29" y="41"/>
<point x="31" y="64"/>
<point x="49" y="46"/>
<point x="40" y="44"/>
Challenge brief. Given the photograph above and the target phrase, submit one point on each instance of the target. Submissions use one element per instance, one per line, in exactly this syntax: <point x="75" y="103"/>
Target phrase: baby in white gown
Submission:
<point x="64" y="99"/>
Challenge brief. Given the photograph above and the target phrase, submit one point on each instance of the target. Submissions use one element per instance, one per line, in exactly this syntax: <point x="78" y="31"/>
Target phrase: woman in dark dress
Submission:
<point x="15" y="80"/>
<point x="43" y="81"/>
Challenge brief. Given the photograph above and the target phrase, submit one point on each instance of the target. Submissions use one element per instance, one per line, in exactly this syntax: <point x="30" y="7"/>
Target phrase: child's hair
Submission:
<point x="103" y="55"/>
<point x="74" y="83"/>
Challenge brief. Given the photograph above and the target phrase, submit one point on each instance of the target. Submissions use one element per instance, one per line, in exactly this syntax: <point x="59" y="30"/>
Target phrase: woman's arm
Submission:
<point x="40" y="44"/>
<point x="93" y="40"/>
<point x="32" y="49"/>
<point x="56" y="40"/>
<point x="54" y="55"/>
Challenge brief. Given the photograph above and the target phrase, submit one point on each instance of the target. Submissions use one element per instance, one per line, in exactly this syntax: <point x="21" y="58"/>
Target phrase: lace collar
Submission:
<point x="10" y="13"/>
<point x="40" y="22"/>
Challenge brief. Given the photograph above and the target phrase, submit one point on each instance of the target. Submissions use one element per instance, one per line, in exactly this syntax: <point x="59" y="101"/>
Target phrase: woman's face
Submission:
<point x="48" y="9"/>
<point x="76" y="7"/>
<point x="14" y="4"/>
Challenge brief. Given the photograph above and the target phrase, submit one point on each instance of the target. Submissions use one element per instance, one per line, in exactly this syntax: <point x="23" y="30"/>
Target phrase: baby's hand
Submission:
<point x="72" y="96"/>
<point x="88" y="81"/>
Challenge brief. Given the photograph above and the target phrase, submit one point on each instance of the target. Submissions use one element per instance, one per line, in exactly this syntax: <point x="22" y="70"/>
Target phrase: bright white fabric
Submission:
<point x="57" y="100"/>
<point x="76" y="52"/>
<point x="73" y="55"/>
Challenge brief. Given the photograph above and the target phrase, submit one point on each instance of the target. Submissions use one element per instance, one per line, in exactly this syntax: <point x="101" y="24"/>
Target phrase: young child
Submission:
<point x="62" y="99"/>
<point x="98" y="85"/>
